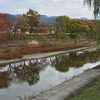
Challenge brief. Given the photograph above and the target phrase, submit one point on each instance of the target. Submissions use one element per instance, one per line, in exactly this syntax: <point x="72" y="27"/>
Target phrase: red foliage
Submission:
<point x="42" y="28"/>
<point x="2" y="38"/>
<point x="18" y="54"/>
<point x="4" y="22"/>
<point x="11" y="55"/>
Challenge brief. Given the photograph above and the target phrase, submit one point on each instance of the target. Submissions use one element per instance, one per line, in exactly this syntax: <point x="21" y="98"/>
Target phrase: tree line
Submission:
<point x="26" y="22"/>
<point x="64" y="24"/>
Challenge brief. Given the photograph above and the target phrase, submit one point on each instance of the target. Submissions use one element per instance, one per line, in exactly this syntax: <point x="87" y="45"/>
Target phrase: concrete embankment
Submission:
<point x="61" y="91"/>
<point x="44" y="55"/>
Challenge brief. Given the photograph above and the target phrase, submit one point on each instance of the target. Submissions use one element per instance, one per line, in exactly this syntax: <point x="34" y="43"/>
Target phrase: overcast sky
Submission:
<point x="71" y="8"/>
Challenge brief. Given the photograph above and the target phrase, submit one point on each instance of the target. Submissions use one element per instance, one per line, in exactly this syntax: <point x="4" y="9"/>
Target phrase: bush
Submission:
<point x="11" y="55"/>
<point x="46" y="44"/>
<point x="2" y="38"/>
<point x="19" y="53"/>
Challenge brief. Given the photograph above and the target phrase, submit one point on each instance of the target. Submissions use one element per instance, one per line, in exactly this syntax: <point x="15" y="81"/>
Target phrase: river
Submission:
<point x="33" y="77"/>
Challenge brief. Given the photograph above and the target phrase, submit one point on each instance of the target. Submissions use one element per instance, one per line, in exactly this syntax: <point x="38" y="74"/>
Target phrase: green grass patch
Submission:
<point x="91" y="91"/>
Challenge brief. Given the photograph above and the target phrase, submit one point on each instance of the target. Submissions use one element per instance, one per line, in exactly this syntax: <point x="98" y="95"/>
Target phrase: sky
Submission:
<point x="71" y="8"/>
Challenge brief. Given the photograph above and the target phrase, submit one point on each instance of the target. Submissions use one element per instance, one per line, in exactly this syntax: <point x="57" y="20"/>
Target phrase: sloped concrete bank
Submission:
<point x="44" y="55"/>
<point x="61" y="91"/>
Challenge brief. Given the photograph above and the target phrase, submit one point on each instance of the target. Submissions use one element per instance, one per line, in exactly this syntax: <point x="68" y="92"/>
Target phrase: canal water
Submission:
<point x="33" y="77"/>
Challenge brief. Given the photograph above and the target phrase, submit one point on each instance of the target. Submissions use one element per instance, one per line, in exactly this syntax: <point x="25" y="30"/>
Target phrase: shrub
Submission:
<point x="19" y="53"/>
<point x="47" y="44"/>
<point x="2" y="38"/>
<point x="11" y="55"/>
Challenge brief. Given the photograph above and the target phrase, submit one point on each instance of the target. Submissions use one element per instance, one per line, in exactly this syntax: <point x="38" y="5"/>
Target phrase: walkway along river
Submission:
<point x="33" y="77"/>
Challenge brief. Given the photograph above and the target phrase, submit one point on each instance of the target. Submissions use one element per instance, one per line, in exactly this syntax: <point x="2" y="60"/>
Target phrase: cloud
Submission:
<point x="71" y="8"/>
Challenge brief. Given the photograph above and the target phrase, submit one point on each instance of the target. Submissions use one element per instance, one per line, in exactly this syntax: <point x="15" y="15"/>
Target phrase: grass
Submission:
<point x="89" y="92"/>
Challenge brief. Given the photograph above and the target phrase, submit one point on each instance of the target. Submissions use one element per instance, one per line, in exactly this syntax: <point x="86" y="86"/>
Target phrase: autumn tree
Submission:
<point x="4" y="22"/>
<point x="32" y="19"/>
<point x="42" y="28"/>
<point x="78" y="25"/>
<point x="92" y="26"/>
<point x="28" y="21"/>
<point x="62" y="24"/>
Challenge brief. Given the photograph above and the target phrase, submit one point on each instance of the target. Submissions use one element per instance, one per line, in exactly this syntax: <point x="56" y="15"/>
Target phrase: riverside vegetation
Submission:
<point x="64" y="42"/>
<point x="67" y="34"/>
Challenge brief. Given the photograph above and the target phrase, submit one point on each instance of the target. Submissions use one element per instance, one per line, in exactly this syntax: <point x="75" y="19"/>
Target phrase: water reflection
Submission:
<point x="74" y="60"/>
<point x="27" y="77"/>
<point x="22" y="72"/>
<point x="5" y="80"/>
<point x="29" y="74"/>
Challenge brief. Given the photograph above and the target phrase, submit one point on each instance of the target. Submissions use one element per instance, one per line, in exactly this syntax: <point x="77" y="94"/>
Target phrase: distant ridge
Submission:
<point x="43" y="18"/>
<point x="48" y="20"/>
<point x="84" y="18"/>
<point x="14" y="17"/>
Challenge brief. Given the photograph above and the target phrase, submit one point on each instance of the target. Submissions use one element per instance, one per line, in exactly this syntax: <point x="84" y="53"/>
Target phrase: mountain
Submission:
<point x="43" y="18"/>
<point x="14" y="17"/>
<point x="84" y="18"/>
<point x="47" y="20"/>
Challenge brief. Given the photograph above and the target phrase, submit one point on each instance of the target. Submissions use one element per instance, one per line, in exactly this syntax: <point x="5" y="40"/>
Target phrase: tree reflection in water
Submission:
<point x="73" y="60"/>
<point x="4" y="80"/>
<point x="29" y="72"/>
<point x="23" y="73"/>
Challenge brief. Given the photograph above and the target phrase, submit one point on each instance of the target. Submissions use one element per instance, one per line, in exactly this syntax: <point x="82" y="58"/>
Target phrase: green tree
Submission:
<point x="21" y="24"/>
<point x="51" y="27"/>
<point x="62" y="24"/>
<point x="32" y="19"/>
